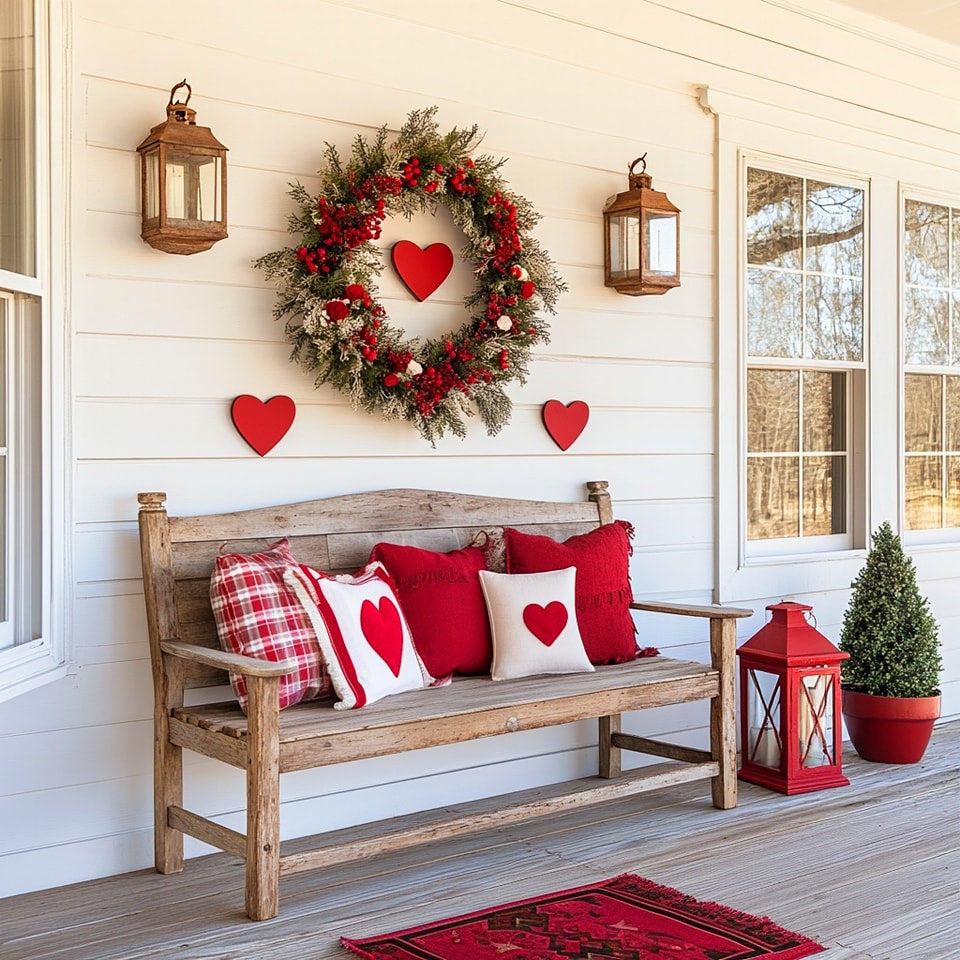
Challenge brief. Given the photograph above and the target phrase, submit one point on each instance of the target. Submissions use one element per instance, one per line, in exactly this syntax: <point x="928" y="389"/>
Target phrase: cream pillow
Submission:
<point x="533" y="622"/>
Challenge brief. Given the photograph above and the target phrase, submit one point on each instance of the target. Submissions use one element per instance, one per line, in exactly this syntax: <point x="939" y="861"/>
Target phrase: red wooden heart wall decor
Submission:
<point x="565" y="423"/>
<point x="262" y="425"/>
<point x="422" y="271"/>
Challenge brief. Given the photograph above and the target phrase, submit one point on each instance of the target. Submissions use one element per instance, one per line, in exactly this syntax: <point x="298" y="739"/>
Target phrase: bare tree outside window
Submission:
<point x="804" y="283"/>
<point x="931" y="318"/>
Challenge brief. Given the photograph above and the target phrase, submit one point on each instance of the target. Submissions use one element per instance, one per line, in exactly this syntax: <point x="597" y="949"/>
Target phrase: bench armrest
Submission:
<point x="692" y="610"/>
<point x="234" y="662"/>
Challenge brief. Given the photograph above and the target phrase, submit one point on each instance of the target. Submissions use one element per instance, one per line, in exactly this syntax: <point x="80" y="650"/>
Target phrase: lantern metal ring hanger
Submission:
<point x="183" y="178"/>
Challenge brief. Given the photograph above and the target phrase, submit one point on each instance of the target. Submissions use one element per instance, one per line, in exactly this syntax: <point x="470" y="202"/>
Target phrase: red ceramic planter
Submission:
<point x="890" y="729"/>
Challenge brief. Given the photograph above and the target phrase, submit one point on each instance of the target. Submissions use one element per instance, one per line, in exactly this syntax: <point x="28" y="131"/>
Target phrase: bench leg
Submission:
<point x="723" y="719"/>
<point x="263" y="799"/>
<point x="609" y="754"/>
<point x="167" y="772"/>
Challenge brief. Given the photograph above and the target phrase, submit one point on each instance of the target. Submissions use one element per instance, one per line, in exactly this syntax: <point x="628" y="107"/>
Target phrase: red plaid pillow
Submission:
<point x="259" y="616"/>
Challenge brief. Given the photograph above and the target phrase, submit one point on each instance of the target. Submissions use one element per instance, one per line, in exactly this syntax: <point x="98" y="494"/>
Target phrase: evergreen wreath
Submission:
<point x="327" y="293"/>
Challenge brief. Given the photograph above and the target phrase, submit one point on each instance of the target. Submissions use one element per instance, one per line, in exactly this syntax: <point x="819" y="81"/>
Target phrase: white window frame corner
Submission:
<point x="49" y="656"/>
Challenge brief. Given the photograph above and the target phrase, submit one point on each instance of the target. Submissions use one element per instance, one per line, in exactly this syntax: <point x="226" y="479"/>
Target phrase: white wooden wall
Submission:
<point x="160" y="345"/>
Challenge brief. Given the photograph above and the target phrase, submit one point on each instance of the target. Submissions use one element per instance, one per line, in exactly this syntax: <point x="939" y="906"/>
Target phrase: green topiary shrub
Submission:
<point x="888" y="629"/>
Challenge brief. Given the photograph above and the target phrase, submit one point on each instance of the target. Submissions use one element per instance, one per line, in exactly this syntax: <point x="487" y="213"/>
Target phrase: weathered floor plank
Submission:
<point x="872" y="871"/>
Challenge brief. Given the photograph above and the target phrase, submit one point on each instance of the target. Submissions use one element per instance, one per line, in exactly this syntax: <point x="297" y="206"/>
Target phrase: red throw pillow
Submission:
<point x="441" y="598"/>
<point x="603" y="593"/>
<point x="259" y="616"/>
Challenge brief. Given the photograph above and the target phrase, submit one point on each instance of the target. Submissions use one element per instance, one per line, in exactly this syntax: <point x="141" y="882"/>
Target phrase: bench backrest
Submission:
<point x="335" y="535"/>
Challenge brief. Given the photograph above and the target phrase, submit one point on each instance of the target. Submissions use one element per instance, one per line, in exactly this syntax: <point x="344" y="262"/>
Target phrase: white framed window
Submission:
<point x="33" y="639"/>
<point x="796" y="385"/>
<point x="803" y="321"/>
<point x="930" y="244"/>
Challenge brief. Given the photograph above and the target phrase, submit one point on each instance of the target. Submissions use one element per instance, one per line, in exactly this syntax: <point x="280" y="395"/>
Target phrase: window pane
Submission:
<point x="4" y="325"/>
<point x="774" y="231"/>
<point x="955" y="322"/>
<point x="953" y="414"/>
<point x="773" y="411"/>
<point x="952" y="506"/>
<point x="5" y="638"/>
<point x="925" y="243"/>
<point x="924" y="493"/>
<point x="834" y="326"/>
<point x="955" y="237"/>
<point x="772" y="497"/>
<point x="774" y="313"/>
<point x="17" y="138"/>
<point x="3" y="377"/>
<point x="824" y="485"/>
<point x="926" y="331"/>
<point x="824" y="411"/>
<point x="922" y="406"/>
<point x="834" y="229"/>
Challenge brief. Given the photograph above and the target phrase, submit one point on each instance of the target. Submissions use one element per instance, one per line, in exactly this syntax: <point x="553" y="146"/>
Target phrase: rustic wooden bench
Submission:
<point x="336" y="534"/>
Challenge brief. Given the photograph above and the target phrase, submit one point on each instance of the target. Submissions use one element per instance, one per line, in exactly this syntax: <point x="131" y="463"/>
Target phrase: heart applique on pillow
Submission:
<point x="362" y="632"/>
<point x="533" y="624"/>
<point x="545" y="623"/>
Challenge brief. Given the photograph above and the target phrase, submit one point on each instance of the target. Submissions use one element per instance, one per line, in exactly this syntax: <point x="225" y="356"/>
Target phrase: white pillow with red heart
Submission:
<point x="533" y="623"/>
<point x="362" y="633"/>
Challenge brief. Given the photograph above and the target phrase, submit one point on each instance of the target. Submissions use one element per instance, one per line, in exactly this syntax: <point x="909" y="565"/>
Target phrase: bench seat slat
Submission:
<point x="314" y="733"/>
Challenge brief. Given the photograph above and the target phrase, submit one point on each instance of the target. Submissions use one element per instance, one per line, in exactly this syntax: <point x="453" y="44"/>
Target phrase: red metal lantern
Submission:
<point x="790" y="729"/>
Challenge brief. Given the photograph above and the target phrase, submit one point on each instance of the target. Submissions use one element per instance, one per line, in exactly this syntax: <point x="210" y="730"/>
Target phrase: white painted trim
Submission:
<point x="48" y="657"/>
<point x="871" y="27"/>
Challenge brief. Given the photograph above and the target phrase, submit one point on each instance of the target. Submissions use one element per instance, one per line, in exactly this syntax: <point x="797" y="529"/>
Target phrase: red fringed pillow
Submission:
<point x="259" y="616"/>
<point x="603" y="594"/>
<point x="441" y="598"/>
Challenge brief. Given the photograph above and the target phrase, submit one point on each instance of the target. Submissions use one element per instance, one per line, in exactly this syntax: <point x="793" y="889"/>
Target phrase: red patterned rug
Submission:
<point x="626" y="918"/>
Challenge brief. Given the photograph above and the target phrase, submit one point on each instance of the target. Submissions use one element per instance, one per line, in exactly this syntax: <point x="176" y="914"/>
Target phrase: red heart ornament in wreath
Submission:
<point x="422" y="270"/>
<point x="327" y="294"/>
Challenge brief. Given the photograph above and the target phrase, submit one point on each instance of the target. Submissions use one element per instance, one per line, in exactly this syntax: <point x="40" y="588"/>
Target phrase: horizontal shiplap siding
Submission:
<point x="569" y="94"/>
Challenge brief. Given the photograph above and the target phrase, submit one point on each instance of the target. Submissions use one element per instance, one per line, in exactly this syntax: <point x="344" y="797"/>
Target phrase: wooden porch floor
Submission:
<point x="872" y="871"/>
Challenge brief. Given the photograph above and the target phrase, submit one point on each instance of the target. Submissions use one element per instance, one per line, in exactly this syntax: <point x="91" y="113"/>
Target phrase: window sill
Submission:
<point x="28" y="666"/>
<point x="790" y="575"/>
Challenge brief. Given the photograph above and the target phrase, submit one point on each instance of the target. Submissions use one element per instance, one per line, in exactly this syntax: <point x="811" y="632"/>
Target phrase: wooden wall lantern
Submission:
<point x="183" y="182"/>
<point x="641" y="250"/>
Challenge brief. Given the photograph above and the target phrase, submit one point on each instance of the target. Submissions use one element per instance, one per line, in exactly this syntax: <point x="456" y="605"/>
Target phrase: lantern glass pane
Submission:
<point x="624" y="245"/>
<point x="815" y="720"/>
<point x="193" y="187"/>
<point x="660" y="243"/>
<point x="763" y="719"/>
<point x="151" y="183"/>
